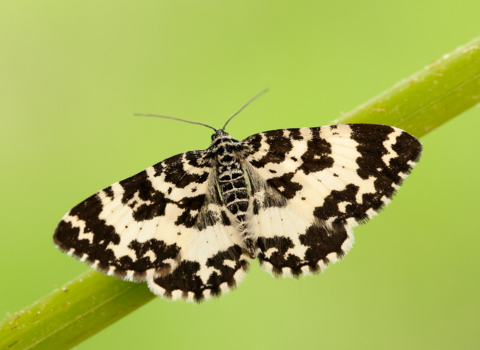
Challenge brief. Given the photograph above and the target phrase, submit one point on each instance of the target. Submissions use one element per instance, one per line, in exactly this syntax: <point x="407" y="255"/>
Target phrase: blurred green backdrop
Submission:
<point x="72" y="74"/>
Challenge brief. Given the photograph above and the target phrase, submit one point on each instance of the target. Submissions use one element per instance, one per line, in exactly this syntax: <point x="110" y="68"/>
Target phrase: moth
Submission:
<point x="190" y="225"/>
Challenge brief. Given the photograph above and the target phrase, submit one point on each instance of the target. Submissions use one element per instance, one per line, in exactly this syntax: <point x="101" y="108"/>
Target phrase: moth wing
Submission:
<point x="166" y="225"/>
<point x="311" y="186"/>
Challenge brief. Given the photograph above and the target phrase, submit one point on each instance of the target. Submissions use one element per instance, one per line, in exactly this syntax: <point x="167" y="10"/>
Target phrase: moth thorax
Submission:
<point x="226" y="157"/>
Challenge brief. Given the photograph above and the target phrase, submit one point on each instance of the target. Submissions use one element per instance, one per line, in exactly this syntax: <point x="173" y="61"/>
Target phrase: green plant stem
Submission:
<point x="430" y="97"/>
<point x="73" y="313"/>
<point x="91" y="302"/>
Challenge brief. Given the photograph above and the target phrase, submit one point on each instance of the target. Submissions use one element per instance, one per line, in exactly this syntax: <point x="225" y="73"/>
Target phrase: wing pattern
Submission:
<point x="165" y="225"/>
<point x="310" y="186"/>
<point x="189" y="225"/>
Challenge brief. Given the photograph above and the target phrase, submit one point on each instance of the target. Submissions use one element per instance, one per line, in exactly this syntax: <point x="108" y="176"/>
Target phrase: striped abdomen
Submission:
<point x="234" y="191"/>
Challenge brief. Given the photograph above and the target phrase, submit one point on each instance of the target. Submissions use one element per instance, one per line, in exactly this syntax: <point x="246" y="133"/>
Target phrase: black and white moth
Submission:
<point x="190" y="224"/>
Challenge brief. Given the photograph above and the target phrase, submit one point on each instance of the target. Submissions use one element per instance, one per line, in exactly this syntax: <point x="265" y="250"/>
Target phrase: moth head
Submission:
<point x="220" y="134"/>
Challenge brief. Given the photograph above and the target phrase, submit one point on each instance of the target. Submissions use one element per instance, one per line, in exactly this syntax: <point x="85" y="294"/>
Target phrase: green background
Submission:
<point x="72" y="74"/>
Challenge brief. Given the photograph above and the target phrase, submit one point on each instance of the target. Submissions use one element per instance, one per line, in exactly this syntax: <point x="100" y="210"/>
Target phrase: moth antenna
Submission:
<point x="164" y="116"/>
<point x="245" y="105"/>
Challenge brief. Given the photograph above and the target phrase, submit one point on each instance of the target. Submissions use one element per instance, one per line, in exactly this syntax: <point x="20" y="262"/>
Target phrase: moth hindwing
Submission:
<point x="190" y="224"/>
